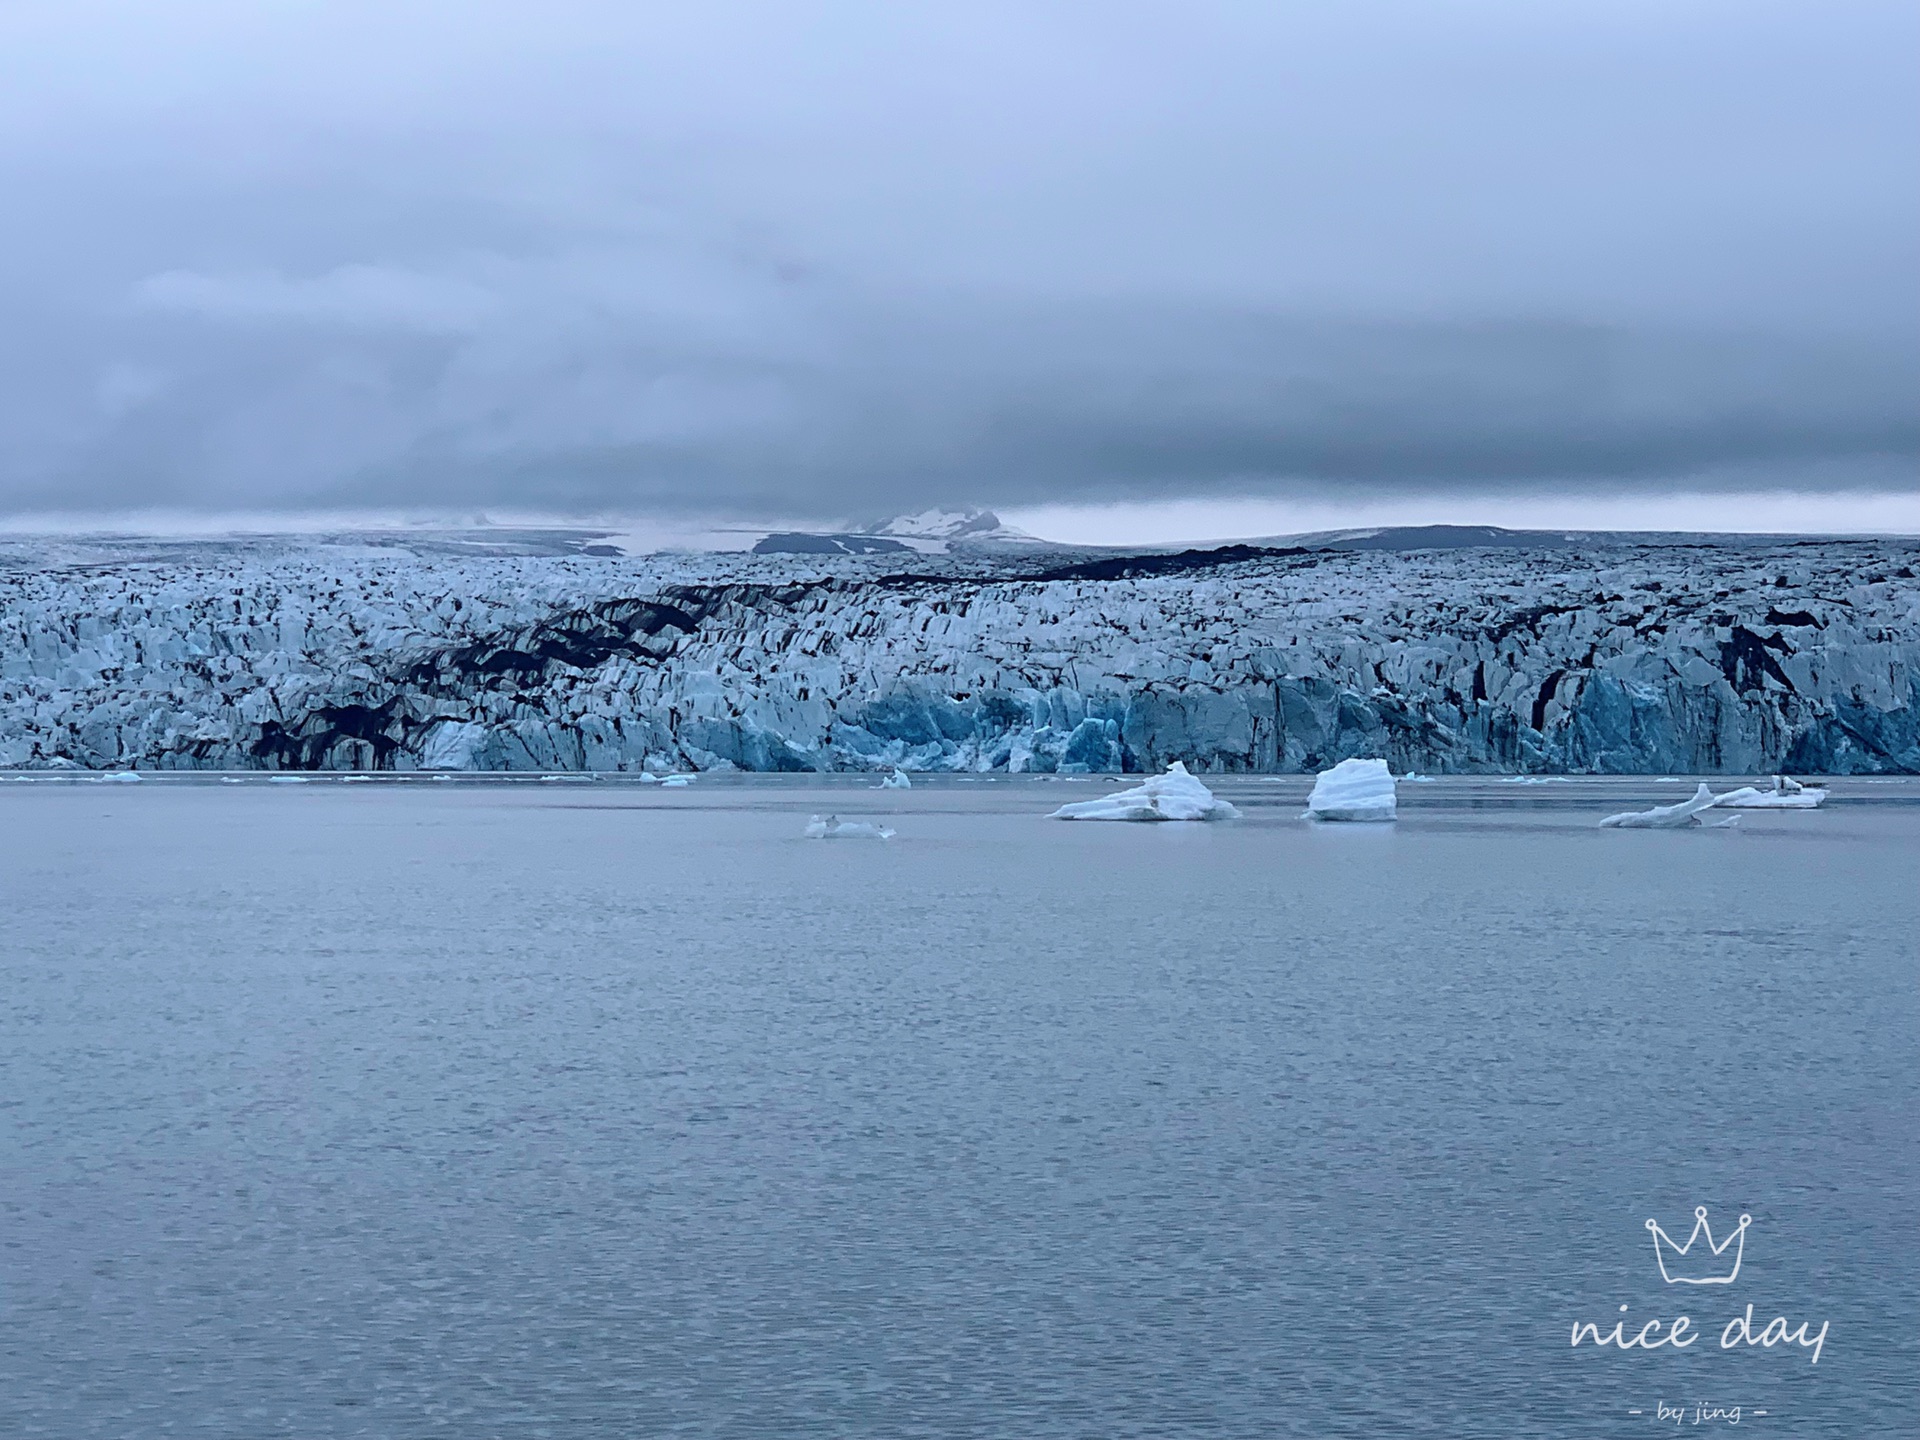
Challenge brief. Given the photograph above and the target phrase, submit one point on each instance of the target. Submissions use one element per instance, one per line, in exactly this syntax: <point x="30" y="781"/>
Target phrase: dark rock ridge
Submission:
<point x="1611" y="659"/>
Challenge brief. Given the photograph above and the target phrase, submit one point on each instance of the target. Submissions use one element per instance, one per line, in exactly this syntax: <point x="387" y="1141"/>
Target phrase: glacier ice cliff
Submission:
<point x="1631" y="658"/>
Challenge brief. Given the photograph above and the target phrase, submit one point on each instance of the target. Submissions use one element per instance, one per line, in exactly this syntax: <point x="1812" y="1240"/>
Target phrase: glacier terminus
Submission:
<point x="1614" y="657"/>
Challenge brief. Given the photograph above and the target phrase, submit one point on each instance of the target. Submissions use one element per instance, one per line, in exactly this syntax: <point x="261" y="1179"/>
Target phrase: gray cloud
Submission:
<point x="863" y="257"/>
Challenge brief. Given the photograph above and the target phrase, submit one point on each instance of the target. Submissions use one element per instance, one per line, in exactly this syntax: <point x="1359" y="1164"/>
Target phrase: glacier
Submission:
<point x="1642" y="658"/>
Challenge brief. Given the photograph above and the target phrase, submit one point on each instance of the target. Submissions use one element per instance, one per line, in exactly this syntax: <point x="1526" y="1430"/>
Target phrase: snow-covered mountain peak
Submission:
<point x="968" y="524"/>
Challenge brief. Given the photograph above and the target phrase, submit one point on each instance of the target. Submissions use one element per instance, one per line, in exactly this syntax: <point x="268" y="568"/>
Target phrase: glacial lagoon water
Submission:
<point x="586" y="1109"/>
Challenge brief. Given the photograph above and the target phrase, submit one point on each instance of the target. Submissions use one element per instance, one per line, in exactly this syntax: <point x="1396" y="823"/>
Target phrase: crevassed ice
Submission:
<point x="1738" y="659"/>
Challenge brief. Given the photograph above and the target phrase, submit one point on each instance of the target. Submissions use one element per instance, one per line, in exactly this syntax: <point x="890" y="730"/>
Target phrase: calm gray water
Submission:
<point x="592" y="1110"/>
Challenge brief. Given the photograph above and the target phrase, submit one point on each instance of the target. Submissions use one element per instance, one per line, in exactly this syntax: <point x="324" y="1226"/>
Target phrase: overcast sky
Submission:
<point x="833" y="259"/>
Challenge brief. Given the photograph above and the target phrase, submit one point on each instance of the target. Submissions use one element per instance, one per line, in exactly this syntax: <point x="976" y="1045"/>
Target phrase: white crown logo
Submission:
<point x="1673" y="1258"/>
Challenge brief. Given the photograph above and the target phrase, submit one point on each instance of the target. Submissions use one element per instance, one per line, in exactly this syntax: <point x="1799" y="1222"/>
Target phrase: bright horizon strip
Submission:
<point x="1770" y="512"/>
<point x="1119" y="523"/>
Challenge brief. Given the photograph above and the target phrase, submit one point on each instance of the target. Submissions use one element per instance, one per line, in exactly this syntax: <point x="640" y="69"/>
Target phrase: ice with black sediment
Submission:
<point x="1702" y="659"/>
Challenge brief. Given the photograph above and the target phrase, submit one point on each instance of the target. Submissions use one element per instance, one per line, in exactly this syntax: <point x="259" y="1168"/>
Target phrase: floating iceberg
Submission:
<point x="1352" y="790"/>
<point x="1664" y="817"/>
<point x="897" y="781"/>
<point x="677" y="780"/>
<point x="120" y="777"/>
<point x="288" y="780"/>
<point x="1175" y="795"/>
<point x="1786" y="794"/>
<point x="833" y="827"/>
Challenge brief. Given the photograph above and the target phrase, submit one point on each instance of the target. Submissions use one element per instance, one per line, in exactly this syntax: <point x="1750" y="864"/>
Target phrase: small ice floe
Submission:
<point x="1175" y="795"/>
<point x="120" y="777"/>
<point x="1412" y="778"/>
<point x="1352" y="790"/>
<point x="832" y="827"/>
<point x="287" y="780"/>
<point x="1785" y="794"/>
<point x="566" y="779"/>
<point x="677" y="781"/>
<point x="1664" y="817"/>
<point x="896" y="781"/>
<point x="231" y="780"/>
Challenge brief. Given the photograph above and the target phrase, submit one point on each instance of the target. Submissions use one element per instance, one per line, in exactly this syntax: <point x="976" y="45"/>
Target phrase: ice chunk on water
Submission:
<point x="287" y="780"/>
<point x="897" y="781"/>
<point x="120" y="777"/>
<point x="1175" y="795"/>
<point x="832" y="827"/>
<point x="677" y="781"/>
<point x="1785" y="794"/>
<point x="1663" y="817"/>
<point x="1352" y="790"/>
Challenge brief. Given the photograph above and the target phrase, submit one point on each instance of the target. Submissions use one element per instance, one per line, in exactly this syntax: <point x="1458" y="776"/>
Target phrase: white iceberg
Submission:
<point x="676" y="781"/>
<point x="832" y="827"/>
<point x="1785" y="794"/>
<point x="288" y="780"/>
<point x="1352" y="790"/>
<point x="1175" y="795"/>
<point x="896" y="781"/>
<point x="1664" y="817"/>
<point x="120" y="777"/>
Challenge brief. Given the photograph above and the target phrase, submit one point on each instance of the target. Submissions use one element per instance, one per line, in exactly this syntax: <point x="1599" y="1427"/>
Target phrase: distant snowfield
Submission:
<point x="1195" y="522"/>
<point x="501" y="649"/>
